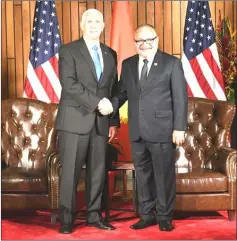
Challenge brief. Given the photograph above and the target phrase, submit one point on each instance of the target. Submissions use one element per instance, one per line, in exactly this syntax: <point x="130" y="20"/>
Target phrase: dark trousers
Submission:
<point x="155" y="174"/>
<point x="75" y="150"/>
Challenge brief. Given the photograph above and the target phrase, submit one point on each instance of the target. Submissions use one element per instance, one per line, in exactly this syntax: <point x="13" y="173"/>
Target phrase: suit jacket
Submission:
<point x="81" y="92"/>
<point x="161" y="105"/>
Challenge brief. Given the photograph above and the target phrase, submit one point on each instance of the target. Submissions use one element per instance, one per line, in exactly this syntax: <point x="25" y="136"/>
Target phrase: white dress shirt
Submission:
<point x="141" y="63"/>
<point x="90" y="45"/>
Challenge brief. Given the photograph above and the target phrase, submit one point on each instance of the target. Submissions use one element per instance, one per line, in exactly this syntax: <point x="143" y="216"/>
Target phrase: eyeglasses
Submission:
<point x="140" y="42"/>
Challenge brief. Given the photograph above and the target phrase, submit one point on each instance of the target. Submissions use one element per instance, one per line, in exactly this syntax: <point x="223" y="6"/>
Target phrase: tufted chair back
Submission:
<point x="28" y="132"/>
<point x="209" y="123"/>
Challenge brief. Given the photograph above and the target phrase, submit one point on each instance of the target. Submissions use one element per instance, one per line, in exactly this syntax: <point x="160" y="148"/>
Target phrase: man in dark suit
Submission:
<point x="88" y="75"/>
<point x="154" y="85"/>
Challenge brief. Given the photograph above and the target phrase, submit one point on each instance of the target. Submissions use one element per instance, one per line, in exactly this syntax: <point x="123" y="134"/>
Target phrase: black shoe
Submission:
<point x="101" y="224"/>
<point x="165" y="225"/>
<point x="142" y="223"/>
<point x="66" y="228"/>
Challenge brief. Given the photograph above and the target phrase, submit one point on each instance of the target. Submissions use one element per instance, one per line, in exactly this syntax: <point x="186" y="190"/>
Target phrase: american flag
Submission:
<point x="200" y="59"/>
<point x="42" y="81"/>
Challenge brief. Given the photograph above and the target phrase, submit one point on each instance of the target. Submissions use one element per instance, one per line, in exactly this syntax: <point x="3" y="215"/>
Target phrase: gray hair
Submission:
<point x="91" y="10"/>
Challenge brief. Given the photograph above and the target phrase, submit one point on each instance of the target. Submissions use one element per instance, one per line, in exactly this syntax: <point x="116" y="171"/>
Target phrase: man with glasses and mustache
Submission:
<point x="154" y="85"/>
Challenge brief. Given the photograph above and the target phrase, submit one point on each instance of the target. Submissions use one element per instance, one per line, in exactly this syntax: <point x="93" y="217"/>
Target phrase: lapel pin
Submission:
<point x="155" y="64"/>
<point x="105" y="52"/>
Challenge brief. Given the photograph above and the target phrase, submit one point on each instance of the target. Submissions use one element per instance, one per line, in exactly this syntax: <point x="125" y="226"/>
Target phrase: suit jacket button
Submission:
<point x="140" y="97"/>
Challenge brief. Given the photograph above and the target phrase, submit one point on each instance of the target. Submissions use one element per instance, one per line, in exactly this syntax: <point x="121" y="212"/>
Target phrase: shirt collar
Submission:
<point x="150" y="59"/>
<point x="90" y="43"/>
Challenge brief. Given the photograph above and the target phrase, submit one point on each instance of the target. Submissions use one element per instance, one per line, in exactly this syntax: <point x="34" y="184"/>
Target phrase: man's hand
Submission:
<point x="112" y="132"/>
<point x="105" y="107"/>
<point x="178" y="137"/>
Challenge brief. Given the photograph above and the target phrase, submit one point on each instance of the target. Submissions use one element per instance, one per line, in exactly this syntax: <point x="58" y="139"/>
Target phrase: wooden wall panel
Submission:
<point x="107" y="20"/>
<point x="26" y="34"/>
<point x="168" y="17"/>
<point x="100" y="6"/>
<point x="213" y="10"/>
<point x="90" y="4"/>
<point x="168" y="36"/>
<point x="159" y="22"/>
<point x="75" y="20"/>
<point x="134" y="8"/>
<point x="220" y="7"/>
<point x="10" y="30"/>
<point x="11" y="75"/>
<point x="67" y="22"/>
<point x="32" y="14"/>
<point x="82" y="8"/>
<point x="141" y="12"/>
<point x="150" y="12"/>
<point x="176" y="27"/>
<point x="229" y="6"/>
<point x="18" y="50"/>
<point x="183" y="8"/>
<point x="4" y="84"/>
<point x="17" y="3"/>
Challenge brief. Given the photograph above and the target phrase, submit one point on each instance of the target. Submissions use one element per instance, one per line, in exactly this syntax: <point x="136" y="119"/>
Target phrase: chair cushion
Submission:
<point x="18" y="179"/>
<point x="201" y="181"/>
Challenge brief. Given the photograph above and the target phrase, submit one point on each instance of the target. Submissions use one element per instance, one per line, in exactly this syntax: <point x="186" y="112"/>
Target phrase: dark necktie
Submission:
<point x="144" y="72"/>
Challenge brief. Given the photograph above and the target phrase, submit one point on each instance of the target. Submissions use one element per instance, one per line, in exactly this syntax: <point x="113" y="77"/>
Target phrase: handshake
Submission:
<point x="105" y="107"/>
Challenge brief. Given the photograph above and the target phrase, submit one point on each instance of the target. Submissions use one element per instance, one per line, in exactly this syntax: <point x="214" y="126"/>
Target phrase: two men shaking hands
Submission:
<point x="154" y="85"/>
<point x="105" y="106"/>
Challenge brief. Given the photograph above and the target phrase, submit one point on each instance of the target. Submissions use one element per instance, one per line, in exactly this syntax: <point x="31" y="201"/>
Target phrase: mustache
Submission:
<point x="143" y="48"/>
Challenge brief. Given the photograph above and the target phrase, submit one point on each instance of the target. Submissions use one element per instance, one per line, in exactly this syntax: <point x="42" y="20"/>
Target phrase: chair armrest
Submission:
<point x="53" y="168"/>
<point x="226" y="162"/>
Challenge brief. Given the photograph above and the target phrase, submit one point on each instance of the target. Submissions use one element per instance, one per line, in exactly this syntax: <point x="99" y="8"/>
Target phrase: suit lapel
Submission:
<point x="106" y="60"/>
<point x="84" y="50"/>
<point x="135" y="71"/>
<point x="156" y="68"/>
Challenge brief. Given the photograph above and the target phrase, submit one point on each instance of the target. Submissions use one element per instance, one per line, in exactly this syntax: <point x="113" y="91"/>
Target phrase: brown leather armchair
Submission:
<point x="29" y="179"/>
<point x="206" y="165"/>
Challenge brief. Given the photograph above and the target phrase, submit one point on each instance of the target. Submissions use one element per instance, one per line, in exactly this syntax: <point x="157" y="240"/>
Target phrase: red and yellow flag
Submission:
<point x="122" y="41"/>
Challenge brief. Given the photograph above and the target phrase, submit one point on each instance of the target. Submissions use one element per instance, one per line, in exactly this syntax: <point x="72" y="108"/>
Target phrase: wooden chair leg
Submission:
<point x="231" y="215"/>
<point x="125" y="189"/>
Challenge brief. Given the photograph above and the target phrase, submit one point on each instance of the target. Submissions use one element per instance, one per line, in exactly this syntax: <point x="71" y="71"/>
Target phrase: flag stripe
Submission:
<point x="52" y="78"/>
<point x="36" y="85"/>
<point x="29" y="93"/>
<point x="45" y="82"/>
<point x="54" y="62"/>
<point x="190" y="93"/>
<point x="215" y="55"/>
<point x="191" y="79"/>
<point x="210" y="78"/>
<point x="204" y="84"/>
<point x="214" y="67"/>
